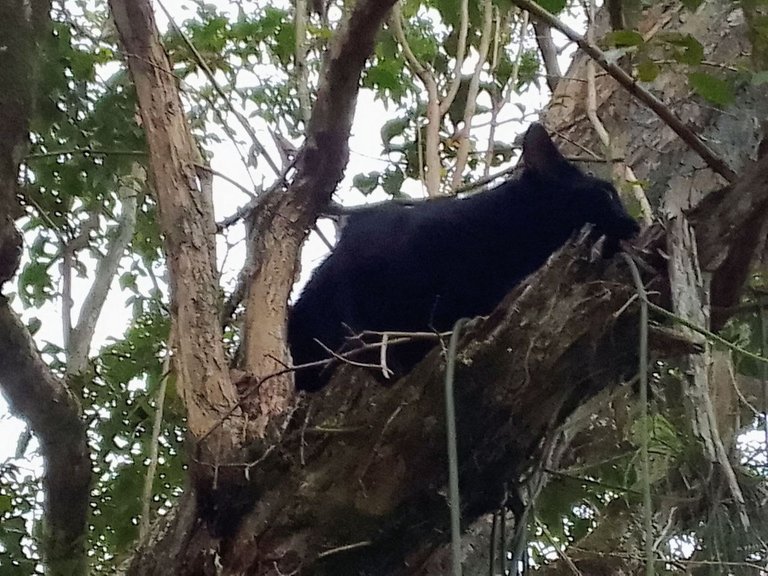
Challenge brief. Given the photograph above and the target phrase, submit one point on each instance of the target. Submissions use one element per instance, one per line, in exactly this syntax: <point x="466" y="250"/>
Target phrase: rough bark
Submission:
<point x="17" y="58"/>
<point x="279" y="227"/>
<point x="187" y="223"/>
<point x="53" y="414"/>
<point x="33" y="392"/>
<point x="675" y="178"/>
<point x="222" y="433"/>
<point x="548" y="52"/>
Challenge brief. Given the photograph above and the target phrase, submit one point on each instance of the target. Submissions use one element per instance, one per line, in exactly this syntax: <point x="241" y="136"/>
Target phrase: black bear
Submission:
<point x="420" y="268"/>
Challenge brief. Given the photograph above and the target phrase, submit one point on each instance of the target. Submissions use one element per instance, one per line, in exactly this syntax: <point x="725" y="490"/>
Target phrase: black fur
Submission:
<point x="420" y="268"/>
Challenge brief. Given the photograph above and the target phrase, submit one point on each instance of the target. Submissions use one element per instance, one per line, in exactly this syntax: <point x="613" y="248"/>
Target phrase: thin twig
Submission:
<point x="157" y="425"/>
<point x="707" y="333"/>
<point x="338" y="549"/>
<point x="250" y="193"/>
<point x="212" y="79"/>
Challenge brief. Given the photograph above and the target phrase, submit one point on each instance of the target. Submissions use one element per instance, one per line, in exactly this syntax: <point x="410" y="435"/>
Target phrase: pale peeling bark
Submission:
<point x="639" y="92"/>
<point x="81" y="335"/>
<point x="280" y="224"/>
<point x="675" y="176"/>
<point x="186" y="221"/>
<point x="690" y="300"/>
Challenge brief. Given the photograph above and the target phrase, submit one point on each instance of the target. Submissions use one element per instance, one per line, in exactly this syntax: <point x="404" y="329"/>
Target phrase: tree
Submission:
<point x="351" y="480"/>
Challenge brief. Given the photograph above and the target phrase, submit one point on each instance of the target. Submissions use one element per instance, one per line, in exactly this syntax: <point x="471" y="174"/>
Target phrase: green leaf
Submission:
<point x="34" y="325"/>
<point x="647" y="71"/>
<point x="384" y="76"/>
<point x="622" y="38"/>
<point x="35" y="283"/>
<point x="127" y="280"/>
<point x="685" y="48"/>
<point x="552" y="6"/>
<point x="392" y="129"/>
<point x="710" y="88"/>
<point x="392" y="182"/>
<point x="366" y="183"/>
<point x="449" y="11"/>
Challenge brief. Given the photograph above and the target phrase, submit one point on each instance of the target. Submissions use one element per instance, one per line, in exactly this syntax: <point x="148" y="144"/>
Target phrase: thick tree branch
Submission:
<point x="53" y="413"/>
<point x="17" y="58"/>
<point x="730" y="229"/>
<point x="33" y="392"/>
<point x="548" y="52"/>
<point x="186" y="221"/>
<point x="255" y="140"/>
<point x="278" y="228"/>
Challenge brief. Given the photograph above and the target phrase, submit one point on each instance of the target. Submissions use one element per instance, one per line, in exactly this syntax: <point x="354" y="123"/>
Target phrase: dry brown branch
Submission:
<point x="257" y="146"/>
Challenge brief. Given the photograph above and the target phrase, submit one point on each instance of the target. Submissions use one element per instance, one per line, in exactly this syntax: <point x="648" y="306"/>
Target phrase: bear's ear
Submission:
<point x="539" y="152"/>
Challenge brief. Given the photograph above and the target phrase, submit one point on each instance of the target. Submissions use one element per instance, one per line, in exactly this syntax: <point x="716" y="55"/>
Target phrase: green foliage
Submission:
<point x="647" y="70"/>
<point x="391" y="181"/>
<point x="711" y="88"/>
<point x="682" y="47"/>
<point x="366" y="183"/>
<point x="553" y="6"/>
<point x="623" y="38"/>
<point x="18" y="493"/>
<point x="121" y="401"/>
